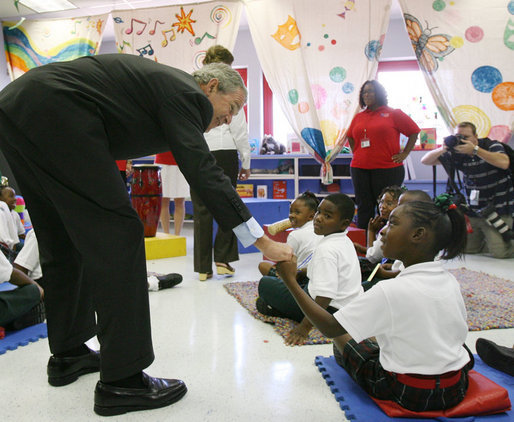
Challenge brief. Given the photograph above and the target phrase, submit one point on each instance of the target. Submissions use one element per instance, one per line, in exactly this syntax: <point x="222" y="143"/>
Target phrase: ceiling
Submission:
<point x="95" y="7"/>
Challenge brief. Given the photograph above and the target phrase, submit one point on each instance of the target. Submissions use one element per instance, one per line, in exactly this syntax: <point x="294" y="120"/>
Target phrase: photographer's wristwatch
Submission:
<point x="475" y="150"/>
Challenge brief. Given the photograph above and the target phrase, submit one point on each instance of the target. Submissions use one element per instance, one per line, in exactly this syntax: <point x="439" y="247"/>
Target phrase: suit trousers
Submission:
<point x="90" y="240"/>
<point x="225" y="242"/>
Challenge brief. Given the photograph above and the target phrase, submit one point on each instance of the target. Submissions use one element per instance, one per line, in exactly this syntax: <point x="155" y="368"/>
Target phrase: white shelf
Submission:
<point x="297" y="160"/>
<point x="351" y="195"/>
<point x="319" y="178"/>
<point x="271" y="176"/>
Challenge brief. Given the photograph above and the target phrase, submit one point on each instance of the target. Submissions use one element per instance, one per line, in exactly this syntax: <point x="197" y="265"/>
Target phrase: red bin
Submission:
<point x="146" y="195"/>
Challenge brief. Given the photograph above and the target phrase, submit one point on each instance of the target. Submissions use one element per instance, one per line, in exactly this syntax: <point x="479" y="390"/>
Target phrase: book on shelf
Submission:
<point x="279" y="189"/>
<point x="245" y="190"/>
<point x="262" y="191"/>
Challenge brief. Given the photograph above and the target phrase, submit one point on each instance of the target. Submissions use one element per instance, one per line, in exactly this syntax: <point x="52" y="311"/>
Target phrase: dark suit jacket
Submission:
<point x="139" y="106"/>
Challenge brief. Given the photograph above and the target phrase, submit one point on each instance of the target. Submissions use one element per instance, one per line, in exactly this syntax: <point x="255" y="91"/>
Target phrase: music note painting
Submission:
<point x="147" y="49"/>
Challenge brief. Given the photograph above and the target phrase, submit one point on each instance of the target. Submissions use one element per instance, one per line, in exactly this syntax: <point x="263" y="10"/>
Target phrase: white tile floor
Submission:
<point x="236" y="368"/>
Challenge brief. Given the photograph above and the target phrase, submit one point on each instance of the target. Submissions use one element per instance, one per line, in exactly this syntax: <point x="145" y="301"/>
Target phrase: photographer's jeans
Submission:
<point x="486" y="239"/>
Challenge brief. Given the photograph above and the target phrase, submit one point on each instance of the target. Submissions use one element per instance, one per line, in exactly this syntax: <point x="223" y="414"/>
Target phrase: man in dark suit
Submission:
<point x="63" y="127"/>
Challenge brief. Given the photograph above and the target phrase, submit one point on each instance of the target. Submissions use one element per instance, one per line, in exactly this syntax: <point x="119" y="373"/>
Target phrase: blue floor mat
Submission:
<point x="4" y="287"/>
<point x="358" y="406"/>
<point x="15" y="339"/>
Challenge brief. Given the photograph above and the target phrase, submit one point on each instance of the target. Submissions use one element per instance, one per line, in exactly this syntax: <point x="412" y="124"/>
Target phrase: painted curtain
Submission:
<point x="37" y="42"/>
<point x="180" y="35"/>
<point x="465" y="49"/>
<point x="315" y="56"/>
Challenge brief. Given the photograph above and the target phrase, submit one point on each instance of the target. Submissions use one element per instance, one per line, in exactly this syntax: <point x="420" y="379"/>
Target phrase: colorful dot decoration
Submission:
<point x="372" y="49"/>
<point x="510" y="7"/>
<point x="475" y="115"/>
<point x="500" y="133"/>
<point x="337" y="74"/>
<point x="503" y="96"/>
<point x="348" y="87"/>
<point x="293" y="96"/>
<point x="456" y="42"/>
<point x="474" y="34"/>
<point x="485" y="78"/>
<point x="303" y="107"/>
<point x="438" y="5"/>
<point x="319" y="95"/>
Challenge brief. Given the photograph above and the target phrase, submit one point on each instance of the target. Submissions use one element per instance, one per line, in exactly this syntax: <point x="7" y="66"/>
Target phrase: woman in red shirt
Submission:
<point x="174" y="186"/>
<point x="374" y="137"/>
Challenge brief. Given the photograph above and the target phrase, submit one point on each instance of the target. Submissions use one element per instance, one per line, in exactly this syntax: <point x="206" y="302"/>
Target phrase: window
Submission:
<point x="406" y="89"/>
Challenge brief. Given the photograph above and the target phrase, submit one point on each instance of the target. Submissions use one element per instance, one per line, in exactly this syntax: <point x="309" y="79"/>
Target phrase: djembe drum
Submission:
<point x="146" y="195"/>
<point x="279" y="226"/>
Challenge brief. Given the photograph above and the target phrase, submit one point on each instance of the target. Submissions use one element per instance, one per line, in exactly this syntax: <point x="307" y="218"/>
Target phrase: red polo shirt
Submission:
<point x="382" y="127"/>
<point x="165" y="158"/>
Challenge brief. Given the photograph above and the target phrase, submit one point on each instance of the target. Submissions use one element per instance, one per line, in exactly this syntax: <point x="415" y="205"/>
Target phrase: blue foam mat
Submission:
<point x="4" y="287"/>
<point x="358" y="406"/>
<point x="15" y="339"/>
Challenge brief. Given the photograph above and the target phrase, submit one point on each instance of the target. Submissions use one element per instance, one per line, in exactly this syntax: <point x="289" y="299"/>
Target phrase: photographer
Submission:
<point x="489" y="191"/>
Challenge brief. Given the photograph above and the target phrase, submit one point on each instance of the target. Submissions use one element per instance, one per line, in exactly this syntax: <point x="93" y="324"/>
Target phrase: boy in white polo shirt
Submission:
<point x="334" y="272"/>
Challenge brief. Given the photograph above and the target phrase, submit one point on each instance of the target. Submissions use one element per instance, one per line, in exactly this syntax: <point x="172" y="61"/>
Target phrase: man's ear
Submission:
<point x="212" y="86"/>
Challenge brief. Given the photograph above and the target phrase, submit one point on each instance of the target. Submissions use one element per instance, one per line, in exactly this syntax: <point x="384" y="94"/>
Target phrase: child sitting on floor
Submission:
<point x="333" y="274"/>
<point x="303" y="240"/>
<point x="8" y="195"/>
<point x="387" y="202"/>
<point x="10" y="224"/>
<point x="23" y="306"/>
<point x="403" y="340"/>
<point x="391" y="270"/>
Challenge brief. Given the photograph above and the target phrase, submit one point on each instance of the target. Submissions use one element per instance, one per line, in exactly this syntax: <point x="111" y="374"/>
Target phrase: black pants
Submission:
<point x="91" y="244"/>
<point x="367" y="185"/>
<point x="225" y="243"/>
<point x="17" y="302"/>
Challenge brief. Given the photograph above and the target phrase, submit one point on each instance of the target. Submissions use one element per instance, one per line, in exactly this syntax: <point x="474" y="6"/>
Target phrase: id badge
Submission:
<point x="474" y="197"/>
<point x="365" y="143"/>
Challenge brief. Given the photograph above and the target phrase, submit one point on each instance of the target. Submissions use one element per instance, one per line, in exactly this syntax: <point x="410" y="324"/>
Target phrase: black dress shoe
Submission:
<point x="64" y="371"/>
<point x="169" y="280"/>
<point x="159" y="392"/>
<point x="498" y="357"/>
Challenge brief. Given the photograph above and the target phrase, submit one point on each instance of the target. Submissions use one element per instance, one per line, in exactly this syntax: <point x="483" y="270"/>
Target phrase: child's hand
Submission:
<point x="287" y="270"/>
<point x="298" y="335"/>
<point x="376" y="224"/>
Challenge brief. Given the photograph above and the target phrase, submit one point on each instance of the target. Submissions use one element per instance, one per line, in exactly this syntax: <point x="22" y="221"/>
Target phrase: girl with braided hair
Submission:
<point x="403" y="340"/>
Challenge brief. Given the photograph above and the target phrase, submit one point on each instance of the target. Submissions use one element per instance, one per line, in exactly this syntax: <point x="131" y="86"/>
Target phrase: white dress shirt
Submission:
<point x="232" y="136"/>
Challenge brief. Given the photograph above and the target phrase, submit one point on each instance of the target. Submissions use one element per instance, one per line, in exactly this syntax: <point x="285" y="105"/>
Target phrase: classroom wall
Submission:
<point x="396" y="47"/>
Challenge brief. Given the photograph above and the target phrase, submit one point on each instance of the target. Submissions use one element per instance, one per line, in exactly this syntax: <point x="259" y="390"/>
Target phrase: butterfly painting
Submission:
<point x="429" y="48"/>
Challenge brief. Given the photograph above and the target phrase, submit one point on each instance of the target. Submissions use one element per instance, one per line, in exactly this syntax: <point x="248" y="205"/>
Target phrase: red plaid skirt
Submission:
<point x="361" y="361"/>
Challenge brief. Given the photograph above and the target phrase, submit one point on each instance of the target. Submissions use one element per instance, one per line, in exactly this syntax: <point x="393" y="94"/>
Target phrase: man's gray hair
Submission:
<point x="229" y="80"/>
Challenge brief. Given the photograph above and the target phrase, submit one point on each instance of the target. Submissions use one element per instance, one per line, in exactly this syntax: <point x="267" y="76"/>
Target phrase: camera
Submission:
<point x="453" y="140"/>
<point x="491" y="216"/>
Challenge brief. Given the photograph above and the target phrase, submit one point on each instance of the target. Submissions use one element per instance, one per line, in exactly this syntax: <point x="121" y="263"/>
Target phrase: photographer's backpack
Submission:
<point x="508" y="150"/>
